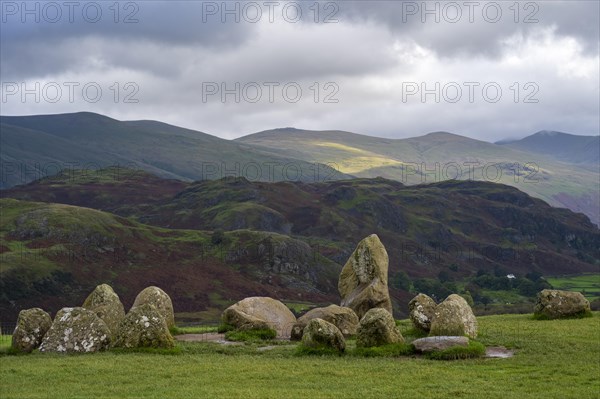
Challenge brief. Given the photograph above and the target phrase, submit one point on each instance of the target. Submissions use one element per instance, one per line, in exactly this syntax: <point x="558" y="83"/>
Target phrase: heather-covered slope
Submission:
<point x="453" y="229"/>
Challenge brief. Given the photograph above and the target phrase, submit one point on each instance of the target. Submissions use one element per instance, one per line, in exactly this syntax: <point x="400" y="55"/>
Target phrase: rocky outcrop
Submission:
<point x="454" y="316"/>
<point x="160" y="300"/>
<point x="106" y="304"/>
<point x="260" y="313"/>
<point x="320" y="334"/>
<point x="343" y="318"/>
<point x="144" y="327"/>
<point x="421" y="310"/>
<point x="76" y="330"/>
<point x="377" y="328"/>
<point x="363" y="282"/>
<point x="557" y="304"/>
<point x="32" y="325"/>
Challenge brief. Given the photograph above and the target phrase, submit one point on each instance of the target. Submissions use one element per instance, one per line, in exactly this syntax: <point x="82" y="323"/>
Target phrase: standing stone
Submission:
<point x="556" y="304"/>
<point x="454" y="316"/>
<point x="343" y="318"/>
<point x="160" y="300"/>
<point x="363" y="282"/>
<point x="259" y="313"/>
<point x="76" y="330"/>
<point x="377" y="328"/>
<point x="319" y="333"/>
<point x="144" y="327"/>
<point x="421" y="310"/>
<point x="32" y="324"/>
<point x="106" y="304"/>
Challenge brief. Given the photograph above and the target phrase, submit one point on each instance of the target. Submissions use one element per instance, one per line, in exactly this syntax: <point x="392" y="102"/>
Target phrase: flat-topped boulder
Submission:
<point x="106" y="304"/>
<point x="439" y="343"/>
<point x="343" y="318"/>
<point x="76" y="330"/>
<point x="160" y="300"/>
<point x="454" y="316"/>
<point x="557" y="304"/>
<point x="32" y="325"/>
<point x="363" y="282"/>
<point x="259" y="313"/>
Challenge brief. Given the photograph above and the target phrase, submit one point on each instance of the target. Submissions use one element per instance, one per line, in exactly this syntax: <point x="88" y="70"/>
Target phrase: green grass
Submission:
<point x="587" y="284"/>
<point x="391" y="350"/>
<point x="5" y="342"/>
<point x="553" y="359"/>
<point x="193" y="330"/>
<point x="302" y="350"/>
<point x="224" y="327"/>
<point x="473" y="350"/>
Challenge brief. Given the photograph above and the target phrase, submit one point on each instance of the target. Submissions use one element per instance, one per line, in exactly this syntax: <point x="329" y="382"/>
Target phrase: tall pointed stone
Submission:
<point x="363" y="283"/>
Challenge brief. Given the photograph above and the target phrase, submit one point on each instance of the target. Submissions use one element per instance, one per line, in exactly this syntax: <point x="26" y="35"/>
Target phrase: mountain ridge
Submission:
<point x="287" y="154"/>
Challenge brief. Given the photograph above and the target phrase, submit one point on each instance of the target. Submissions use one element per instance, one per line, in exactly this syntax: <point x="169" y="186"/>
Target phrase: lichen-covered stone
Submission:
<point x="363" y="282"/>
<point x="32" y="325"/>
<point x="144" y="327"/>
<point x="260" y="313"/>
<point x="160" y="300"/>
<point x="376" y="328"/>
<point x="343" y="318"/>
<point x="421" y="310"/>
<point x="106" y="304"/>
<point x="76" y="330"/>
<point x="557" y="304"/>
<point x="430" y="344"/>
<point x="454" y="316"/>
<point x="319" y="333"/>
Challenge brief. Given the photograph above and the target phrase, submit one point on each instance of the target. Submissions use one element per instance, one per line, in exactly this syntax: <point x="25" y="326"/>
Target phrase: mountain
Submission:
<point x="441" y="156"/>
<point x="40" y="145"/>
<point x="283" y="239"/>
<point x="562" y="146"/>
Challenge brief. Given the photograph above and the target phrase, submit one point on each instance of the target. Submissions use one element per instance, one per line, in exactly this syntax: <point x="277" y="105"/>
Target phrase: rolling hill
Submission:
<point x="556" y="167"/>
<point x="284" y="239"/>
<point x="55" y="254"/>
<point x="562" y="146"/>
<point x="441" y="156"/>
<point x="559" y="168"/>
<point x="40" y="145"/>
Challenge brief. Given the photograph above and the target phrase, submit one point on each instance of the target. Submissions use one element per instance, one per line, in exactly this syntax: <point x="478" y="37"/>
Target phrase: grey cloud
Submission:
<point x="40" y="48"/>
<point x="578" y="19"/>
<point x="171" y="52"/>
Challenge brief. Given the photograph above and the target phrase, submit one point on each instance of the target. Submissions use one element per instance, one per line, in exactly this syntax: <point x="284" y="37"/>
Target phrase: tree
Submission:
<point x="443" y="276"/>
<point x="401" y="281"/>
<point x="468" y="298"/>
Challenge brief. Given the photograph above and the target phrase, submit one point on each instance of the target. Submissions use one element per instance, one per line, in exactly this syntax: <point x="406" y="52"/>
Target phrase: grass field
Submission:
<point x="588" y="284"/>
<point x="554" y="359"/>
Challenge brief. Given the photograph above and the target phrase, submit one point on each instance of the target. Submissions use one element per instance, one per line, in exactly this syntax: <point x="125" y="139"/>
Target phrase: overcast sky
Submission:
<point x="487" y="70"/>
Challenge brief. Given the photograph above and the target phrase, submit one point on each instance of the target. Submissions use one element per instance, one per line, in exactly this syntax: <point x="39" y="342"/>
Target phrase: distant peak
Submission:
<point x="547" y="133"/>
